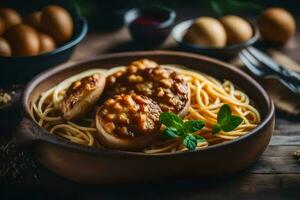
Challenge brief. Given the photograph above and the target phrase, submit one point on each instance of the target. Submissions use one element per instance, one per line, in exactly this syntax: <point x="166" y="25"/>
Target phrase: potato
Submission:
<point x="57" y="22"/>
<point x="206" y="31"/>
<point x="23" y="39"/>
<point x="2" y="26"/>
<point x="5" y="49"/>
<point x="276" y="25"/>
<point x="237" y="29"/>
<point x="34" y="19"/>
<point x="10" y="17"/>
<point x="47" y="43"/>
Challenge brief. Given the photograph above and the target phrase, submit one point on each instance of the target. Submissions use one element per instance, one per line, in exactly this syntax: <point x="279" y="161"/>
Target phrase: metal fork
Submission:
<point x="263" y="66"/>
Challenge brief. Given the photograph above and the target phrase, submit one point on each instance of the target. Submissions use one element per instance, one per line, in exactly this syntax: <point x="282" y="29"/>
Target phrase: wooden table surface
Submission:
<point x="275" y="175"/>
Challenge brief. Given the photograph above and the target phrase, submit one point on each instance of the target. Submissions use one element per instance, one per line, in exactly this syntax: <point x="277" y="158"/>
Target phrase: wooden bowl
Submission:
<point x="105" y="166"/>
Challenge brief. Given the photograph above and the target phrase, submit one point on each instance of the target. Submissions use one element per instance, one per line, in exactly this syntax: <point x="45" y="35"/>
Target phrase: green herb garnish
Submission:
<point x="176" y="127"/>
<point x="226" y="121"/>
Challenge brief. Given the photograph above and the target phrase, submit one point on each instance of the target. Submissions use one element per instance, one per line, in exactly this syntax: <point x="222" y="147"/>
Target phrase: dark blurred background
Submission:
<point x="108" y="14"/>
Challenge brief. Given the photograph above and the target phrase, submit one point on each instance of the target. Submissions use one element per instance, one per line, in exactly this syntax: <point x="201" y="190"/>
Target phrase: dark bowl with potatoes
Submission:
<point x="224" y="51"/>
<point x="22" y="61"/>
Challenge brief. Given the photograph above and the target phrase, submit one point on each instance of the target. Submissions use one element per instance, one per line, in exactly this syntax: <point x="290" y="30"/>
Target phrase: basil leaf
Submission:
<point x="216" y="129"/>
<point x="177" y="128"/>
<point x="231" y="123"/>
<point x="226" y="121"/>
<point x="224" y="114"/>
<point x="190" y="141"/>
<point x="193" y="126"/>
<point x="171" y="132"/>
<point x="170" y="120"/>
<point x="199" y="138"/>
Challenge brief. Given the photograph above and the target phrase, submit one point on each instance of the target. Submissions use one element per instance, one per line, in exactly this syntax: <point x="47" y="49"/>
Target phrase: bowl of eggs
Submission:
<point x="223" y="37"/>
<point x="33" y="42"/>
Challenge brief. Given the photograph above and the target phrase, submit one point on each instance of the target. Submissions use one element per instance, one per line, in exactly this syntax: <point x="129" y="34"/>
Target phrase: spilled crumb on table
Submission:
<point x="5" y="98"/>
<point x="14" y="164"/>
<point x="297" y="154"/>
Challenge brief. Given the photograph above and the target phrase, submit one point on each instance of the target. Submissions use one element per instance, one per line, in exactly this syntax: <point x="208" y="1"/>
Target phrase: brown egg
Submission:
<point x="2" y="26"/>
<point x="237" y="29"/>
<point x="34" y="19"/>
<point x="57" y="22"/>
<point x="10" y="17"/>
<point x="47" y="43"/>
<point x="276" y="25"/>
<point x="23" y="39"/>
<point x="4" y="48"/>
<point x="206" y="31"/>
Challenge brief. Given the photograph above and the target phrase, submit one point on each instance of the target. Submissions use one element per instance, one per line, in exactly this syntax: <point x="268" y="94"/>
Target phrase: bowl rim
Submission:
<point x="164" y="24"/>
<point x="176" y="34"/>
<point x="55" y="140"/>
<point x="76" y="38"/>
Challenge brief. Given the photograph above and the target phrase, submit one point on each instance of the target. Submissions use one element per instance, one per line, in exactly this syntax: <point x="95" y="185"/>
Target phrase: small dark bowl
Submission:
<point x="228" y="51"/>
<point x="19" y="69"/>
<point x="149" y="26"/>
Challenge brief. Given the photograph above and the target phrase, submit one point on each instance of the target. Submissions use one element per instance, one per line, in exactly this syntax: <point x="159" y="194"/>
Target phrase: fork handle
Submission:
<point x="290" y="86"/>
<point x="289" y="75"/>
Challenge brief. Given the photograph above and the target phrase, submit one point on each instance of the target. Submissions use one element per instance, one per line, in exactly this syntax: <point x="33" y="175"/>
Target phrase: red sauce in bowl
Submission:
<point x="149" y="26"/>
<point x="146" y="21"/>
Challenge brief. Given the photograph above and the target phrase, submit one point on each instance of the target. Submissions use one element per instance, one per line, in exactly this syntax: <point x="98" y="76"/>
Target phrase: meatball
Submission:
<point x="81" y="96"/>
<point x="134" y="67"/>
<point x="129" y="116"/>
<point x="147" y="78"/>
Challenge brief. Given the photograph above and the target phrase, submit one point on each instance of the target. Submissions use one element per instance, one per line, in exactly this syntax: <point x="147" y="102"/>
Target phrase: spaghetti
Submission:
<point x="207" y="97"/>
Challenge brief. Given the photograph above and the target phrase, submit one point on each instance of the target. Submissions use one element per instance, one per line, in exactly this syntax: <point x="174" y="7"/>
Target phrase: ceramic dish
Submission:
<point x="104" y="166"/>
<point x="180" y="29"/>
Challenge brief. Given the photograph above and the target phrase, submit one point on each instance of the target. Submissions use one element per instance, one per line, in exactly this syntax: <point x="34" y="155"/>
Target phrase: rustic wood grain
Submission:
<point x="243" y="186"/>
<point x="279" y="140"/>
<point x="287" y="126"/>
<point x="277" y="160"/>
